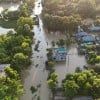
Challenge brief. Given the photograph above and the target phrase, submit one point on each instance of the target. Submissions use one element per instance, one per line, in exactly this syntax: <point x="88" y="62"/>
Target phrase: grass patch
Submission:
<point x="8" y="24"/>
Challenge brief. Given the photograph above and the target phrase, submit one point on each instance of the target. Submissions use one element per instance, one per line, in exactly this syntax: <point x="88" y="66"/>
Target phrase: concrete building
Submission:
<point x="59" y="54"/>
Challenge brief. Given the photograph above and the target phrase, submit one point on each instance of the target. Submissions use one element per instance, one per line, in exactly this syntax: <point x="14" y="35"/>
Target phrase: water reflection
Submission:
<point x="38" y="75"/>
<point x="13" y="7"/>
<point x="4" y="30"/>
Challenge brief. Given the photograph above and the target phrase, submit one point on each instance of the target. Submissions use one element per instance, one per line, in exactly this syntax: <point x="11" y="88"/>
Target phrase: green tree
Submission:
<point x="25" y="25"/>
<point x="20" y="61"/>
<point x="10" y="85"/>
<point x="51" y="63"/>
<point x="82" y="83"/>
<point x="86" y="8"/>
<point x="70" y="88"/>
<point x="52" y="83"/>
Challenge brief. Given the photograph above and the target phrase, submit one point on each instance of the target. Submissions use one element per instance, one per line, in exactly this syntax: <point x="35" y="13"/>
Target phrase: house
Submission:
<point x="94" y="28"/>
<point x="2" y="67"/>
<point x="81" y="34"/>
<point x="59" y="54"/>
<point x="88" y="38"/>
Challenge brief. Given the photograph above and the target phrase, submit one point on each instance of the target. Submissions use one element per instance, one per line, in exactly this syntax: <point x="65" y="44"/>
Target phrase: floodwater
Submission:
<point x="10" y="7"/>
<point x="36" y="73"/>
<point x="4" y="30"/>
<point x="73" y="60"/>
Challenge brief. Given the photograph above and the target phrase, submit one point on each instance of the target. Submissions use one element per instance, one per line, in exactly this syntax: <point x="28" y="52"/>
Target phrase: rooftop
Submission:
<point x="61" y="50"/>
<point x="59" y="54"/>
<point x="80" y="34"/>
<point x="88" y="38"/>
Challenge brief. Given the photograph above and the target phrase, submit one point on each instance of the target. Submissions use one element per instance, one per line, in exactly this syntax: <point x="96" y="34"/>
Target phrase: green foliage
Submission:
<point x="14" y="43"/>
<point x="26" y="8"/>
<point x="15" y="49"/>
<point x="62" y="24"/>
<point x="51" y="63"/>
<point x="70" y="88"/>
<point x="53" y="43"/>
<point x="82" y="83"/>
<point x="61" y="42"/>
<point x="86" y="8"/>
<point x="10" y="86"/>
<point x="49" y="55"/>
<point x="25" y="26"/>
<point x="96" y="68"/>
<point x="19" y="61"/>
<point x="8" y="24"/>
<point x="78" y="69"/>
<point x="52" y="82"/>
<point x="68" y="42"/>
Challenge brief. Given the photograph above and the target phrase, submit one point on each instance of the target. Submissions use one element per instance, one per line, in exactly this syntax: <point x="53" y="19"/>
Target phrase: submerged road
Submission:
<point x="36" y="75"/>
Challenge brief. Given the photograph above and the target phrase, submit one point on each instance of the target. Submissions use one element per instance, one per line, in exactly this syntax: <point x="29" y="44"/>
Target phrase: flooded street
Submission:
<point x="36" y="74"/>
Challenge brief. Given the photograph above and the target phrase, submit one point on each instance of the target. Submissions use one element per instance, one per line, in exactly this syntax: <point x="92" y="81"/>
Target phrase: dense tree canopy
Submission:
<point x="10" y="85"/>
<point x="82" y="83"/>
<point x="86" y="8"/>
<point x="60" y="16"/>
<point x="62" y="24"/>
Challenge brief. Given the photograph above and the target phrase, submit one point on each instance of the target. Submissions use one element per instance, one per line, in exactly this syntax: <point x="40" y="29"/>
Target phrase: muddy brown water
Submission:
<point x="38" y="75"/>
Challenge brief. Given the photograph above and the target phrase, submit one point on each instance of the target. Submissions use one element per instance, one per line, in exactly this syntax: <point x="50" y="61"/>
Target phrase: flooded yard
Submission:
<point x="73" y="60"/>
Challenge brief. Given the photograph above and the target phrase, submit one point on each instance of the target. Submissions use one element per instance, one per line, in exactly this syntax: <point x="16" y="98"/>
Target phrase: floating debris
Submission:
<point x="36" y="65"/>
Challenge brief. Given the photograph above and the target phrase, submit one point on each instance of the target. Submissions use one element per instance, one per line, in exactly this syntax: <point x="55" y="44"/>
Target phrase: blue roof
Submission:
<point x="81" y="34"/>
<point x="94" y="28"/>
<point x="88" y="38"/>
